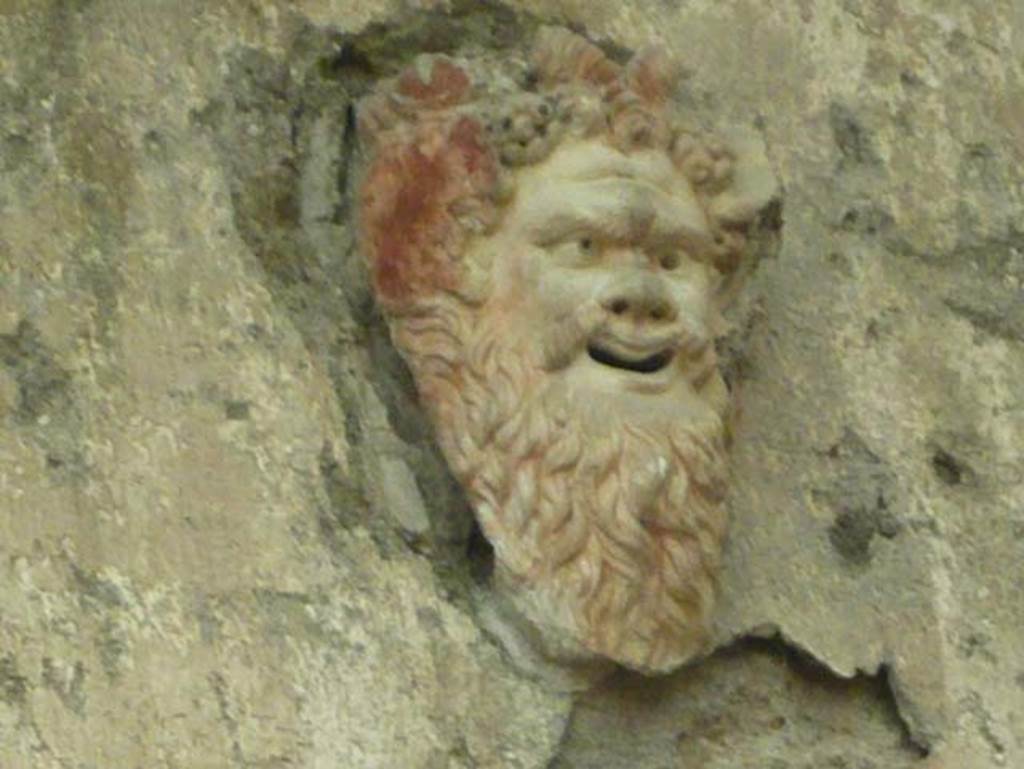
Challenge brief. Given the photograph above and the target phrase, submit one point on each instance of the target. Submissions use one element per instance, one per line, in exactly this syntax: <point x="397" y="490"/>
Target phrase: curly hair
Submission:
<point x="613" y="528"/>
<point x="442" y="137"/>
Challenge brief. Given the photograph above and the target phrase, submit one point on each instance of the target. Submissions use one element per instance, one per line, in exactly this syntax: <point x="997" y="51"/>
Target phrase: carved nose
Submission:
<point x="642" y="298"/>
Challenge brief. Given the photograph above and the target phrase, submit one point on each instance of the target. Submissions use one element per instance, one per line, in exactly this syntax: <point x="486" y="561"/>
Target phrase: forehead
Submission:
<point x="637" y="194"/>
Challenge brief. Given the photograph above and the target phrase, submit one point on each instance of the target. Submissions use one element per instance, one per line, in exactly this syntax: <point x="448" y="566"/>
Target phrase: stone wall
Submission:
<point x="226" y="537"/>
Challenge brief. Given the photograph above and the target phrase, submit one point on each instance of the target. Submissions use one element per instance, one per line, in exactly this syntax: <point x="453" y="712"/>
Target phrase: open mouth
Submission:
<point x="645" y="365"/>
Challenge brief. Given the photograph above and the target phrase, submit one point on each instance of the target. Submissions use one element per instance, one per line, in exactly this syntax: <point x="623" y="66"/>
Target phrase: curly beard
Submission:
<point x="607" y="527"/>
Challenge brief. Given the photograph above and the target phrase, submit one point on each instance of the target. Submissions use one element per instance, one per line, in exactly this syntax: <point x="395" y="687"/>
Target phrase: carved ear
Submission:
<point x="561" y="56"/>
<point x="753" y="185"/>
<point x="652" y="76"/>
<point x="752" y="189"/>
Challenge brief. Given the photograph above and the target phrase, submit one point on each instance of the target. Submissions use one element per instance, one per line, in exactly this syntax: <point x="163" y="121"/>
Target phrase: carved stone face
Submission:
<point x="550" y="263"/>
<point x="597" y="469"/>
<point x="600" y="266"/>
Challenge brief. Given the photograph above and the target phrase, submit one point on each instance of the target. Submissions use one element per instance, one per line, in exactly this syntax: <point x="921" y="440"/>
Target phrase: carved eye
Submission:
<point x="576" y="251"/>
<point x="669" y="260"/>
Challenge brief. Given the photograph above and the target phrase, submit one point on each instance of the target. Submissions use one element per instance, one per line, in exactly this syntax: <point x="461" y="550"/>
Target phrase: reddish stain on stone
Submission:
<point x="408" y="198"/>
<point x="466" y="138"/>
<point x="448" y="85"/>
<point x="651" y="76"/>
<point x="402" y="258"/>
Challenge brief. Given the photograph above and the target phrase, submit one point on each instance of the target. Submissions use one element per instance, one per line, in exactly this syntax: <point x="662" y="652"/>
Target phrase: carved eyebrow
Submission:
<point x="618" y="212"/>
<point x="558" y="224"/>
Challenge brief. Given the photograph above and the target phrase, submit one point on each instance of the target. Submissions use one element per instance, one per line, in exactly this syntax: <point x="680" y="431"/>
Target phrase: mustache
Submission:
<point x="571" y="333"/>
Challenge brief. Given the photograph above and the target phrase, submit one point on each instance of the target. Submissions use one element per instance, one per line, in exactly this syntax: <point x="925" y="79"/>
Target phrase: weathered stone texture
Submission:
<point x="226" y="538"/>
<point x="196" y="567"/>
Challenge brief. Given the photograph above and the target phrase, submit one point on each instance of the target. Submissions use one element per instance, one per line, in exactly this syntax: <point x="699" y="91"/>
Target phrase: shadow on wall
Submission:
<point x="757" y="703"/>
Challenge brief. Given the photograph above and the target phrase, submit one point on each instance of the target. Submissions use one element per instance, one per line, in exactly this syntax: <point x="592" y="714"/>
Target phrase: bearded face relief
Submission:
<point x="550" y="247"/>
<point x="605" y="258"/>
